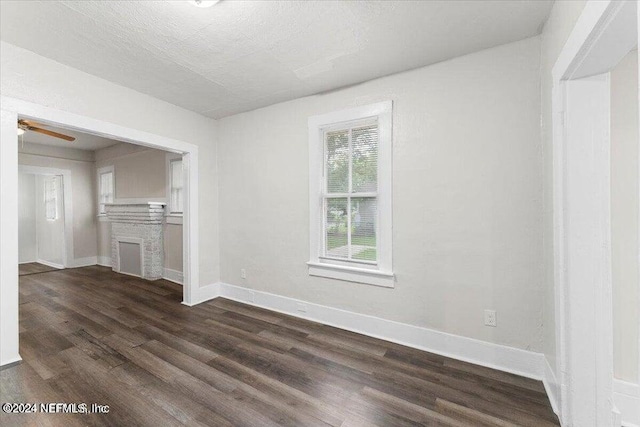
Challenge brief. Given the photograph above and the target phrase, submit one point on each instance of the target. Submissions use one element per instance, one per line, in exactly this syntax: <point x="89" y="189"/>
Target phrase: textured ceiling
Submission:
<point x="84" y="141"/>
<point x="241" y="55"/>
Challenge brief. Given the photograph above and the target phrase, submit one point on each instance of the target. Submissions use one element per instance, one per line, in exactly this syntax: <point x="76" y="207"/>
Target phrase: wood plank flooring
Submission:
<point x="33" y="268"/>
<point x="94" y="336"/>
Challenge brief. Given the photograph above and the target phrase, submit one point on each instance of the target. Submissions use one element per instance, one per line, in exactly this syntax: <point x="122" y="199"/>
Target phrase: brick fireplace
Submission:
<point x="137" y="238"/>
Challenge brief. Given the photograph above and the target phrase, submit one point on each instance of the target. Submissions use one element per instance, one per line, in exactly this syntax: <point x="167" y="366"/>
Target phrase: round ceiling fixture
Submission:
<point x="203" y="3"/>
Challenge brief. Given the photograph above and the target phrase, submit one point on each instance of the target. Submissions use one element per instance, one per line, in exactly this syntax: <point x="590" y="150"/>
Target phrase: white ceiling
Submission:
<point x="241" y="55"/>
<point x="84" y="141"/>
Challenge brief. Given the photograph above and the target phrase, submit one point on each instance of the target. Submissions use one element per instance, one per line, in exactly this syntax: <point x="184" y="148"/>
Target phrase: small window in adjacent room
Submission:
<point x="350" y="195"/>
<point x="176" y="186"/>
<point x="105" y="188"/>
<point x="51" y="198"/>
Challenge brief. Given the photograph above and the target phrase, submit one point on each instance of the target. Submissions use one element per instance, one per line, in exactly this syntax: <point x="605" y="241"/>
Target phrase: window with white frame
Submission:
<point x="176" y="186"/>
<point x="350" y="195"/>
<point x="51" y="198"/>
<point x="106" y="187"/>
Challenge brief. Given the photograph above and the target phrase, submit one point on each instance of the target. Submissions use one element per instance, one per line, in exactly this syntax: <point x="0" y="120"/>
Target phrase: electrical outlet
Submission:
<point x="490" y="318"/>
<point x="243" y="273"/>
<point x="302" y="307"/>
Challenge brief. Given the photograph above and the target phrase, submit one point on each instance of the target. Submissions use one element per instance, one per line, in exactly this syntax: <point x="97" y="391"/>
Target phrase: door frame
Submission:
<point x="589" y="50"/>
<point x="11" y="109"/>
<point x="67" y="205"/>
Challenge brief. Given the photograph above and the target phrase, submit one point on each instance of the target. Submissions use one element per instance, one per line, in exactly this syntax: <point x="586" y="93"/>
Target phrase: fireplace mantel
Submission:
<point x="147" y="213"/>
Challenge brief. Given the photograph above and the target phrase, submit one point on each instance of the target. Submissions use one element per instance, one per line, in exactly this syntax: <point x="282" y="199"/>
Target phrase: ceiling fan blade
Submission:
<point x="51" y="133"/>
<point x="29" y="123"/>
<point x="36" y="127"/>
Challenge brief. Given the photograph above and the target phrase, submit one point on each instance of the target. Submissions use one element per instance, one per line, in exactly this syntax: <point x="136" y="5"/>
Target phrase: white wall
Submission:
<point x="559" y="25"/>
<point x="82" y="187"/>
<point x="27" y="218"/>
<point x="49" y="233"/>
<point x="467" y="213"/>
<point x="624" y="216"/>
<point x="31" y="77"/>
<point x="140" y="173"/>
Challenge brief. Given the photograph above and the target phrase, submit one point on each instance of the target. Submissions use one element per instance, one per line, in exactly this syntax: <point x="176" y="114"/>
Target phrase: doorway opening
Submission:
<point x="45" y="229"/>
<point x="12" y="111"/>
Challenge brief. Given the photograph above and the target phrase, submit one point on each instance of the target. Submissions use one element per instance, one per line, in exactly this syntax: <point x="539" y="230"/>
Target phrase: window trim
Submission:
<point x="172" y="157"/>
<point x="319" y="265"/>
<point x="100" y="171"/>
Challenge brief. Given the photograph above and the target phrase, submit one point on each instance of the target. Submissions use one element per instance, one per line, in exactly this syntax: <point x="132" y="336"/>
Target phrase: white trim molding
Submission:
<point x="589" y="40"/>
<point x="626" y="396"/>
<point x="551" y="386"/>
<point x="5" y="364"/>
<point x="581" y="203"/>
<point x="50" y="264"/>
<point x="174" y="276"/>
<point x="204" y="294"/>
<point x="379" y="273"/>
<point x="351" y="274"/>
<point x="84" y="262"/>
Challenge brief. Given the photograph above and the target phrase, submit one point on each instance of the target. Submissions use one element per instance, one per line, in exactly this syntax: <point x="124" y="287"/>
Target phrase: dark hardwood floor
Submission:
<point x="90" y="335"/>
<point x="34" y="268"/>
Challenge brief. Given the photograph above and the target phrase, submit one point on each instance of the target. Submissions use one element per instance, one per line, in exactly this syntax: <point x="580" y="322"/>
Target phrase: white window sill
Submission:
<point x="352" y="274"/>
<point x="174" y="219"/>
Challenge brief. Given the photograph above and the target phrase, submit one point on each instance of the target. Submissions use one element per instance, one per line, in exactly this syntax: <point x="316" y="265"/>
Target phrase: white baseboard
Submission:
<point x="27" y="262"/>
<point x="11" y="361"/>
<point x="551" y="386"/>
<point x="205" y="293"/>
<point x="626" y="396"/>
<point x="104" y="261"/>
<point x="174" y="276"/>
<point x="83" y="262"/>
<point x="50" y="264"/>
<point x="520" y="362"/>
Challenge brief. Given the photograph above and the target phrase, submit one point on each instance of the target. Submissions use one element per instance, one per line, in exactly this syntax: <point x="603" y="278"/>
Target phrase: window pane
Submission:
<point x="365" y="158"/>
<point x="364" y="212"/>
<point x="105" y="194"/>
<point x="336" y="228"/>
<point x="106" y="187"/>
<point x="337" y="161"/>
<point x="180" y="201"/>
<point x="109" y="190"/>
<point x="176" y="202"/>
